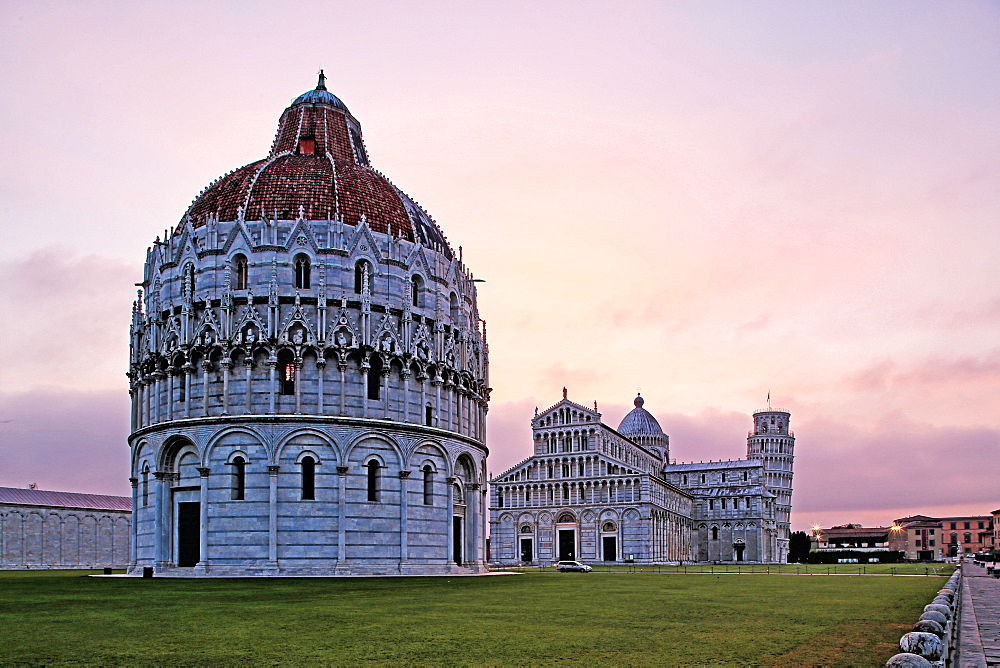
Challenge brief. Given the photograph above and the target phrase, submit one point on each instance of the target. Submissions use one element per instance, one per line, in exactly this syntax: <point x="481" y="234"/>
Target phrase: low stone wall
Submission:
<point x="934" y="638"/>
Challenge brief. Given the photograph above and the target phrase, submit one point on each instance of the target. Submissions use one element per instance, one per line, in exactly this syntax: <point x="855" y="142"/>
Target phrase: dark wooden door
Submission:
<point x="567" y="544"/>
<point x="610" y="548"/>
<point x="527" y="553"/>
<point x="188" y="533"/>
<point x="456" y="539"/>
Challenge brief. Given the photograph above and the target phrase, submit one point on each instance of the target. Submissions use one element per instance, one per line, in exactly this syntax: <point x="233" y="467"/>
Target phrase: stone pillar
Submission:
<point x="248" y="362"/>
<point x="342" y="516"/>
<point x="342" y="367"/>
<point x="272" y="366"/>
<point x="171" y="374"/>
<point x="298" y="385"/>
<point x="134" y="523"/>
<point x="272" y="524"/>
<point x="188" y="372"/>
<point x="225" y="364"/>
<point x="406" y="393"/>
<point x="385" y="389"/>
<point x="206" y="364"/>
<point x="202" y="565"/>
<point x="320" y="372"/>
<point x="163" y="523"/>
<point x="436" y="384"/>
<point x="157" y="387"/>
<point x="451" y="520"/>
<point x="404" y="475"/>
<point x="472" y="529"/>
<point x="364" y="388"/>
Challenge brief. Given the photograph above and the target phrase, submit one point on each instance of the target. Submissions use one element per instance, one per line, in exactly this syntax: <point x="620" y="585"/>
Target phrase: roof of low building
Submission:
<point x="38" y="497"/>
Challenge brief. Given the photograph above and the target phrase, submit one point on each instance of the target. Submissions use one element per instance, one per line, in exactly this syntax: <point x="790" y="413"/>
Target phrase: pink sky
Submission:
<point x="707" y="201"/>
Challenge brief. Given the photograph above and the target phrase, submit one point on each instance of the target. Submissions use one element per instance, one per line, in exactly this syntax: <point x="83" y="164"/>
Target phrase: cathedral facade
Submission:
<point x="593" y="493"/>
<point x="309" y="373"/>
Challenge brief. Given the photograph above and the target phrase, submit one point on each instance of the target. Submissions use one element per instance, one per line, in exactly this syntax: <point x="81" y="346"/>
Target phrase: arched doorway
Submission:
<point x="566" y="532"/>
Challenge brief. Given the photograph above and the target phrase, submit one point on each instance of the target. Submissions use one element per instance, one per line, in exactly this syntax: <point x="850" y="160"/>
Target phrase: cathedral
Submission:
<point x="308" y="373"/>
<point x="593" y="493"/>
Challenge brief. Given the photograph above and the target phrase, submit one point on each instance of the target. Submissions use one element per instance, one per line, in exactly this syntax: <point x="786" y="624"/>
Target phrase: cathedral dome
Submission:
<point x="317" y="169"/>
<point x="639" y="422"/>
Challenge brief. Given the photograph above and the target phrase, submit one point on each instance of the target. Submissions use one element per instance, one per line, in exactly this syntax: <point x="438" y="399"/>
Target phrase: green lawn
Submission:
<point x="594" y="618"/>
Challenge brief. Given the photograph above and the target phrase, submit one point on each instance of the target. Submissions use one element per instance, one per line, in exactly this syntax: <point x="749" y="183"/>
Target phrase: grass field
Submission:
<point x="545" y="618"/>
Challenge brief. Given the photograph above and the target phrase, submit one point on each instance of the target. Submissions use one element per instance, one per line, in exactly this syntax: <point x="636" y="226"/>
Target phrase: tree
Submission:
<point x="798" y="547"/>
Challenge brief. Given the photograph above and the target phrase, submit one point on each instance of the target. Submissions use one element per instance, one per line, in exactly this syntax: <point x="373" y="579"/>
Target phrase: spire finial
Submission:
<point x="322" y="81"/>
<point x="564" y="393"/>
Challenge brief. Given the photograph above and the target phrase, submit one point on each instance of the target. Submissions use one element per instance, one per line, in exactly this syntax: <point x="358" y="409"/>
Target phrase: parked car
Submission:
<point x="569" y="566"/>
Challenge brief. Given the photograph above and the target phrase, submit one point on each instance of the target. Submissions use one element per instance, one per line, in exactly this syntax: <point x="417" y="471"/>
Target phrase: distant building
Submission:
<point x="925" y="538"/>
<point x="43" y="529"/>
<point x="851" y="537"/>
<point x="596" y="493"/>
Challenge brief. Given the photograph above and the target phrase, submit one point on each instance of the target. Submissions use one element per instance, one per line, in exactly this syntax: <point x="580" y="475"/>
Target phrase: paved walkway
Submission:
<point x="979" y="635"/>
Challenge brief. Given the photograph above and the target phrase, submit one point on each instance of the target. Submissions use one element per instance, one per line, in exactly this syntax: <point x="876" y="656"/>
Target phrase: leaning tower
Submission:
<point x="772" y="443"/>
<point x="309" y="373"/>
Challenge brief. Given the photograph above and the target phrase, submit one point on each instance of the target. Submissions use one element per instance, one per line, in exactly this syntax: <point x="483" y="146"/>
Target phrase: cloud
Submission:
<point x="66" y="319"/>
<point x="72" y="441"/>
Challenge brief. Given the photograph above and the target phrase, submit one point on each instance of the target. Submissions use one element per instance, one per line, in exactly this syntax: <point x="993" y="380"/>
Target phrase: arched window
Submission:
<point x="145" y="486"/>
<point x="455" y="310"/>
<point x="565" y="518"/>
<point x="428" y="416"/>
<point x="429" y="486"/>
<point x="373" y="481"/>
<point x="362" y="276"/>
<point x="242" y="270"/>
<point x="239" y="479"/>
<point x="417" y="289"/>
<point x="308" y="479"/>
<point x="302" y="272"/>
<point x="715" y="533"/>
<point x="527" y="497"/>
<point x="526" y="528"/>
<point x="286" y="371"/>
<point x="374" y="377"/>
<point x="608" y="526"/>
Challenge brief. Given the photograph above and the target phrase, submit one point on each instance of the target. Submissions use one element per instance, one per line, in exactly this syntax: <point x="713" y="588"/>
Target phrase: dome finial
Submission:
<point x="322" y="81"/>
<point x="638" y="401"/>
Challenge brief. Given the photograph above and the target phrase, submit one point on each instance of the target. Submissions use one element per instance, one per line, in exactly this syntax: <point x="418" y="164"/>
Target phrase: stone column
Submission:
<point x="188" y="369"/>
<point x="404" y="475"/>
<point x="472" y="523"/>
<point x="436" y="384"/>
<point x="226" y="364"/>
<point x="385" y="387"/>
<point x="202" y="565"/>
<point x="162" y="524"/>
<point x="342" y="367"/>
<point x="364" y="388"/>
<point x="134" y="523"/>
<point x="248" y="362"/>
<point x="451" y="520"/>
<point x="320" y="372"/>
<point x="342" y="515"/>
<point x="298" y="385"/>
<point x="406" y="393"/>
<point x="421" y="377"/>
<point x="272" y="366"/>
<point x="171" y="374"/>
<point x="157" y="387"/>
<point x="206" y="364"/>
<point x="272" y="524"/>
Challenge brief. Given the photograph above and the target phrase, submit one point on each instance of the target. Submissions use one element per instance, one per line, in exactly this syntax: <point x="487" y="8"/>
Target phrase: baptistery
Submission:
<point x="308" y="373"/>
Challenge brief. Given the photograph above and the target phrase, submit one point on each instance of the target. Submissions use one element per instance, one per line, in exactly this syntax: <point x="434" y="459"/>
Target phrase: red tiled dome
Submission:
<point x="317" y="162"/>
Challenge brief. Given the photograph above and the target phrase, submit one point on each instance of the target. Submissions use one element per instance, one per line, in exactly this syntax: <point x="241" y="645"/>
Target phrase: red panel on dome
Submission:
<point x="292" y="177"/>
